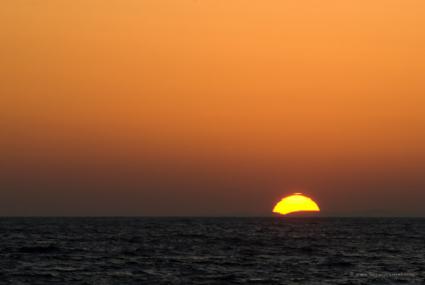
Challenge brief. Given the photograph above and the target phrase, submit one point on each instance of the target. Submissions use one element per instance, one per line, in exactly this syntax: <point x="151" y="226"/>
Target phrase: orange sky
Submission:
<point x="128" y="107"/>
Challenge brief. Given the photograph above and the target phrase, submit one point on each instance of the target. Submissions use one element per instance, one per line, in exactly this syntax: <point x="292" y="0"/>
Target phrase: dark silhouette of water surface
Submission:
<point x="212" y="251"/>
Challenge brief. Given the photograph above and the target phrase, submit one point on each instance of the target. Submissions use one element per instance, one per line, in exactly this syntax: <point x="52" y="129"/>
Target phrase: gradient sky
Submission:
<point x="211" y="107"/>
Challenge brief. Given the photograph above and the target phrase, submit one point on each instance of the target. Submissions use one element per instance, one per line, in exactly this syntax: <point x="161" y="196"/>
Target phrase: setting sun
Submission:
<point x="295" y="203"/>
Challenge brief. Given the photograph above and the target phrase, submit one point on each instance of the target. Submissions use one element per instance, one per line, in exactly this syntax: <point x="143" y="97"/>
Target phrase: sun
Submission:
<point x="296" y="202"/>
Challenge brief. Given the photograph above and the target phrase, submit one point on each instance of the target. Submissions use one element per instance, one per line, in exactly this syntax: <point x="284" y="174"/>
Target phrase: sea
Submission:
<point x="271" y="250"/>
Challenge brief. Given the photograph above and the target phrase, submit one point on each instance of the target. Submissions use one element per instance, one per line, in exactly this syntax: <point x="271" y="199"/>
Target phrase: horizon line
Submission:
<point x="201" y="216"/>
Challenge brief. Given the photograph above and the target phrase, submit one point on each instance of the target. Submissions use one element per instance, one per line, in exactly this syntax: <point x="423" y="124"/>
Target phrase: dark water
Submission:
<point x="212" y="251"/>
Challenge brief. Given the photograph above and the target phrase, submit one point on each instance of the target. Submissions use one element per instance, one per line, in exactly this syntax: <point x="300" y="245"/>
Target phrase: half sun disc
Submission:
<point x="296" y="203"/>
